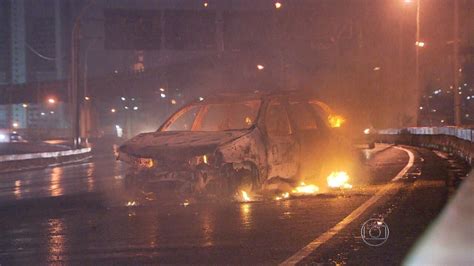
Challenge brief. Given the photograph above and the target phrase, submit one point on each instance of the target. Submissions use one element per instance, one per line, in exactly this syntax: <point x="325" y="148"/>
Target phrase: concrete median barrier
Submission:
<point x="16" y="162"/>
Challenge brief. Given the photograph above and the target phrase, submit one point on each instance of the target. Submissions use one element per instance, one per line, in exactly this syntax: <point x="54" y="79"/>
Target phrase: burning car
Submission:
<point x="229" y="142"/>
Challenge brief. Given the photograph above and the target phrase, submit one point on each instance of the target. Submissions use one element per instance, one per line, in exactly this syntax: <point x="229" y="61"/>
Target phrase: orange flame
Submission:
<point x="339" y="179"/>
<point x="304" y="189"/>
<point x="245" y="196"/>
<point x="336" y="120"/>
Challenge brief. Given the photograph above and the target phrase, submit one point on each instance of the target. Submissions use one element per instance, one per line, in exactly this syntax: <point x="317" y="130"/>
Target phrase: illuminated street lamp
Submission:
<point x="420" y="44"/>
<point x="278" y="5"/>
<point x="25" y="105"/>
<point x="87" y="98"/>
<point x="51" y="100"/>
<point x="15" y="125"/>
<point x="260" y="67"/>
<point x="113" y="110"/>
<point x="206" y="4"/>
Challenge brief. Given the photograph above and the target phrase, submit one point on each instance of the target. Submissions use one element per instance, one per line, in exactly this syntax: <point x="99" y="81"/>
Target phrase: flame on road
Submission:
<point x="283" y="196"/>
<point x="304" y="189"/>
<point x="339" y="179"/>
<point x="245" y="196"/>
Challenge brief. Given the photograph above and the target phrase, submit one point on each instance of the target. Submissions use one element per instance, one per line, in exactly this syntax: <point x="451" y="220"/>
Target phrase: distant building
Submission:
<point x="33" y="34"/>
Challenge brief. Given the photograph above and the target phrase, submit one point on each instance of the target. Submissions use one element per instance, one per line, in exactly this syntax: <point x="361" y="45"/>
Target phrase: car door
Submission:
<point x="282" y="147"/>
<point x="313" y="138"/>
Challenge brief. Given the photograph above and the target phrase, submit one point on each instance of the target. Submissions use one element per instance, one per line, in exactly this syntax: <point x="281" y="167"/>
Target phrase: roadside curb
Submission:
<point x="31" y="161"/>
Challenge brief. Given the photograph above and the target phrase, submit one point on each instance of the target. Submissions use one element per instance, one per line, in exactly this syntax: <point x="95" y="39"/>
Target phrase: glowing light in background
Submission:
<point x="420" y="44"/>
<point x="131" y="204"/>
<point x="185" y="203"/>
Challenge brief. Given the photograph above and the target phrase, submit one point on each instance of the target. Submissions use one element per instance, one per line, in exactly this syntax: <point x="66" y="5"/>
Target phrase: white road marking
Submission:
<point x="411" y="161"/>
<point x="316" y="243"/>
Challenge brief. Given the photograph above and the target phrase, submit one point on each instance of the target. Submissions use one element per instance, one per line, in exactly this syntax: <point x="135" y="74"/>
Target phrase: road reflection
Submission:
<point x="246" y="215"/>
<point x="56" y="240"/>
<point x="207" y="228"/>
<point x="17" y="189"/>
<point x="55" y="186"/>
<point x="90" y="177"/>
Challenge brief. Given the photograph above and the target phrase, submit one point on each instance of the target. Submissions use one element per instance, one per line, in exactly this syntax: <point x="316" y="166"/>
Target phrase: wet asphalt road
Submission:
<point x="90" y="213"/>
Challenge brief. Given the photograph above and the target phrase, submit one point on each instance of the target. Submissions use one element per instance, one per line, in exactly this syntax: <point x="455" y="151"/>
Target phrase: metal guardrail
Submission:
<point x="450" y="239"/>
<point x="42" y="155"/>
<point x="462" y="133"/>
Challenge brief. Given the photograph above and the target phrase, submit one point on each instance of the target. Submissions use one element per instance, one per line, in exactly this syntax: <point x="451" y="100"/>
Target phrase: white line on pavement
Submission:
<point x="411" y="161"/>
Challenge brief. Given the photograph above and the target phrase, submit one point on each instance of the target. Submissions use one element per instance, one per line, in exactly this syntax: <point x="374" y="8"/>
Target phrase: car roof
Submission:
<point x="225" y="97"/>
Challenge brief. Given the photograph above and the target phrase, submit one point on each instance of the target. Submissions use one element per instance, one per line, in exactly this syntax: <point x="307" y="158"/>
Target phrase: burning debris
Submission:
<point x="304" y="189"/>
<point x="285" y="195"/>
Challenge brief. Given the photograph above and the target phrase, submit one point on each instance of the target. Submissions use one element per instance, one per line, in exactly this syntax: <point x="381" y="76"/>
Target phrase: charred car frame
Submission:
<point x="227" y="142"/>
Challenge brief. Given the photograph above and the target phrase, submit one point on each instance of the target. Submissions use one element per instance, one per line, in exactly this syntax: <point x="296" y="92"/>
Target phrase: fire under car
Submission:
<point x="242" y="141"/>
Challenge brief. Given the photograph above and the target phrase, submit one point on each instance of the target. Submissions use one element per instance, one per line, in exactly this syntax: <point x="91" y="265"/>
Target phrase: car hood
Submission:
<point x="172" y="145"/>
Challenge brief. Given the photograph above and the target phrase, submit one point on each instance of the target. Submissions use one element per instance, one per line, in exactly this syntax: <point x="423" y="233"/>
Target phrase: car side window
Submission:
<point x="276" y="120"/>
<point x="322" y="115"/>
<point x="184" y="121"/>
<point x="303" y="116"/>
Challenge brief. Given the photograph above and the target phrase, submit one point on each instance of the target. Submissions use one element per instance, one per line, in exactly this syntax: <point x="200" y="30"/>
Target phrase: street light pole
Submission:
<point x="74" y="93"/>
<point x="417" y="56"/>
<point x="456" y="67"/>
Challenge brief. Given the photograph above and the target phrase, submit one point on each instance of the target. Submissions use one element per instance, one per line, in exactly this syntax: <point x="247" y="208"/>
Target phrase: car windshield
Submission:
<point x="214" y="117"/>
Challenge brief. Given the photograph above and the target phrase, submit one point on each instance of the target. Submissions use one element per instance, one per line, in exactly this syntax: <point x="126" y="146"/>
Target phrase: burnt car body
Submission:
<point x="244" y="140"/>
